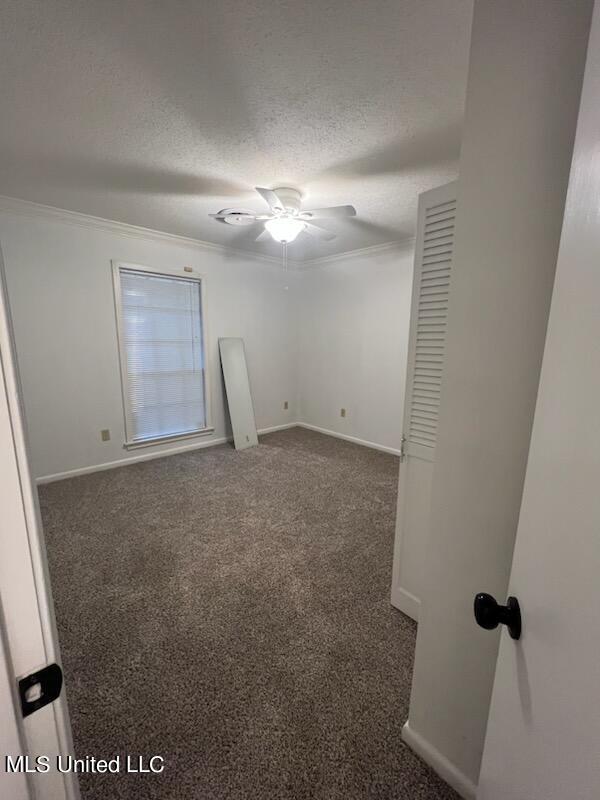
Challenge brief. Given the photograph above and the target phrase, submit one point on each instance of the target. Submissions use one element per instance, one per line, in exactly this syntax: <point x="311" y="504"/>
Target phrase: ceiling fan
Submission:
<point x="286" y="219"/>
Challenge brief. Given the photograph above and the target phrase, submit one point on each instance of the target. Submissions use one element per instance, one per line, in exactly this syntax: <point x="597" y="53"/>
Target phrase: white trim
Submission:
<point x="14" y="205"/>
<point x="177" y="437"/>
<point x="198" y="445"/>
<point x="444" y="768"/>
<point x="274" y="428"/>
<point x="56" y="729"/>
<point x="400" y="245"/>
<point x="406" y="602"/>
<point x="123" y="462"/>
<point x="373" y="445"/>
<point x="171" y="451"/>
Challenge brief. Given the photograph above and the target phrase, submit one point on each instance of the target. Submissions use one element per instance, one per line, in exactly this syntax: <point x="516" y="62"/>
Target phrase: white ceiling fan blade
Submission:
<point x="318" y="233"/>
<point x="270" y="198"/>
<point x="332" y="211"/>
<point x="225" y="214"/>
<point x="264" y="236"/>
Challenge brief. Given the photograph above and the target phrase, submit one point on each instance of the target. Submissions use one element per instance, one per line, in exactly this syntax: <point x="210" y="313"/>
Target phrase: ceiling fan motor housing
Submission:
<point x="291" y="199"/>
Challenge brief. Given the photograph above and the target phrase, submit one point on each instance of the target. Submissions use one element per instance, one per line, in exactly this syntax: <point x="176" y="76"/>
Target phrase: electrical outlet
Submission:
<point x="285" y="405"/>
<point x="105" y="435"/>
<point x="342" y="412"/>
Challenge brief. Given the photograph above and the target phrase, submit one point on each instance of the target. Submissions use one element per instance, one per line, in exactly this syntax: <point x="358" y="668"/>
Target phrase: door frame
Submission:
<point x="47" y="731"/>
<point x="12" y="734"/>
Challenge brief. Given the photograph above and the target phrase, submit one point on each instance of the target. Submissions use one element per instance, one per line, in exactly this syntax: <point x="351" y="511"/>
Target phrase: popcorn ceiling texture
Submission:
<point x="230" y="612"/>
<point x="157" y="113"/>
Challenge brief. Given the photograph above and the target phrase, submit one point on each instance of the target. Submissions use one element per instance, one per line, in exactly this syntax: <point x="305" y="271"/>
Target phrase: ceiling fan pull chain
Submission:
<point x="285" y="261"/>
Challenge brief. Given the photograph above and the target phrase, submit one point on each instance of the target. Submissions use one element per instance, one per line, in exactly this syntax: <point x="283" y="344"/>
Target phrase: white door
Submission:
<point x="543" y="737"/>
<point x="429" y="309"/>
<point x="27" y="636"/>
<point x="14" y="786"/>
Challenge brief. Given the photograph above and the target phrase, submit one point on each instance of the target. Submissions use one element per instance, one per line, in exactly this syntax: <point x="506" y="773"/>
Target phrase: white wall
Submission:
<point x="337" y="336"/>
<point x="60" y="287"/>
<point x="522" y="98"/>
<point x="353" y="317"/>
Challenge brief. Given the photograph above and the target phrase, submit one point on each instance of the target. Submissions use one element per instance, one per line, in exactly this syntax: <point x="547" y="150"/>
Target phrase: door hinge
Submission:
<point x="40" y="688"/>
<point x="402" y="451"/>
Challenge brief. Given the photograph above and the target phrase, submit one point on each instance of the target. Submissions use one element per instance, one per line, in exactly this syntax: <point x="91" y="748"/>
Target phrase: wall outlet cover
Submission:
<point x="105" y="435"/>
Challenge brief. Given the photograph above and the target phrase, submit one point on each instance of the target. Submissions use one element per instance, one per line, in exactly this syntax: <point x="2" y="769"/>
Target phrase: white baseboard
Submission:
<point x="274" y="428"/>
<point x="145" y="456"/>
<point x="197" y="445"/>
<point x="406" y="602"/>
<point x="444" y="768"/>
<point x="133" y="459"/>
<point x="384" y="448"/>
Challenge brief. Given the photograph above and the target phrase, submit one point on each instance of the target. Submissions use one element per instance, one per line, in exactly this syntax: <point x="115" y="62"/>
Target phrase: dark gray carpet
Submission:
<point x="230" y="612"/>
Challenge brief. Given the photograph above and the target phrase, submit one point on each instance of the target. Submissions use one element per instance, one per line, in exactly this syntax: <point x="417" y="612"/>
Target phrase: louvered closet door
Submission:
<point x="429" y="312"/>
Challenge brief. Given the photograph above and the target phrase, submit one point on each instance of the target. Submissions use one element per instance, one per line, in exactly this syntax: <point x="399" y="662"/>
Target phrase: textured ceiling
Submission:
<point x="157" y="113"/>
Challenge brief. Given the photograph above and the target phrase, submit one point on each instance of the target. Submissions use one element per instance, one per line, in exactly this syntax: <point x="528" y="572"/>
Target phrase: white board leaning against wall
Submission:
<point x="239" y="397"/>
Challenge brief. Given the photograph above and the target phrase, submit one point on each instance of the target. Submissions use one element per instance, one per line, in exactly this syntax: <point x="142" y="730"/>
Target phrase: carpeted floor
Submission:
<point x="230" y="612"/>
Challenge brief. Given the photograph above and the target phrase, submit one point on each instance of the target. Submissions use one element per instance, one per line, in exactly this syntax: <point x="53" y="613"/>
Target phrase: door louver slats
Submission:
<point x="432" y="310"/>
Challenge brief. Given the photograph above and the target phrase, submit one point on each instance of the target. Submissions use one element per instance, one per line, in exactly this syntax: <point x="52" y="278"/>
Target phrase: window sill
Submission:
<point x="179" y="437"/>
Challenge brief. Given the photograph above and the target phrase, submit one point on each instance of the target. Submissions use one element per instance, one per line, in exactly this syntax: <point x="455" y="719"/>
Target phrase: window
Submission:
<point x="161" y="340"/>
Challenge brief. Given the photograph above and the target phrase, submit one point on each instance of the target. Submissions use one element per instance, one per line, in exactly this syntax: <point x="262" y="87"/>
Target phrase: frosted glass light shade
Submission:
<point x="284" y="229"/>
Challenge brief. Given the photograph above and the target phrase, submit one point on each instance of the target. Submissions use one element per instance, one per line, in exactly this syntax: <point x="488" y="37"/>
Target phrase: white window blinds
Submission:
<point x="162" y="351"/>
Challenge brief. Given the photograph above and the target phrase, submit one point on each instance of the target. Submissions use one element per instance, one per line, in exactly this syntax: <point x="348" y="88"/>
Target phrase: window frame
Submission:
<point x="186" y="273"/>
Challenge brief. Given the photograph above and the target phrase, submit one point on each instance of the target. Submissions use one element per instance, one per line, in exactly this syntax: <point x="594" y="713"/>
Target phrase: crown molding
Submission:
<point x="28" y="208"/>
<point x="401" y="244"/>
<point x="14" y="205"/>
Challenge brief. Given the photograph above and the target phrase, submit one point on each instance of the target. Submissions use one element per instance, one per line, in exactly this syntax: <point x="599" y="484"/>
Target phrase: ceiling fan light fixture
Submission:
<point x="284" y="229"/>
<point x="286" y="219"/>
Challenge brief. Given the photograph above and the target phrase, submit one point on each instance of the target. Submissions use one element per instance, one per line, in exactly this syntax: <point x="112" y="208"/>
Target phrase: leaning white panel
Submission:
<point x="237" y="387"/>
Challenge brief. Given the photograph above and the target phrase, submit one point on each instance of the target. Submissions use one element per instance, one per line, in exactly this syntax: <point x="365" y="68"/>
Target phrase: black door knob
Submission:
<point x="489" y="614"/>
